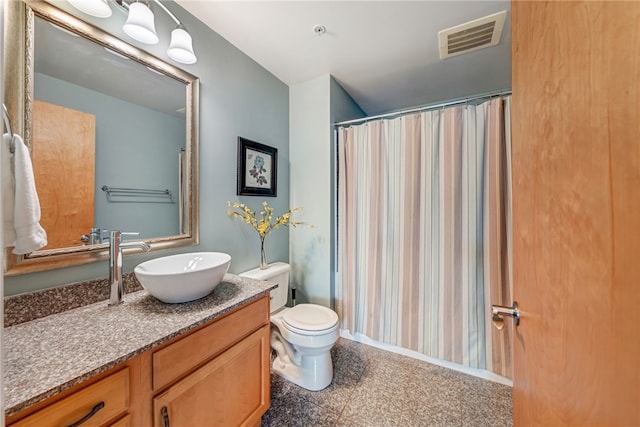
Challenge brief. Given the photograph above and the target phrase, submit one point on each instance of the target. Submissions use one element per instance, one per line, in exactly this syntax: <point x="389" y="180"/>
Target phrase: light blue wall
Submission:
<point x="310" y="250"/>
<point x="237" y="98"/>
<point x="342" y="108"/>
<point x="314" y="106"/>
<point x="143" y="142"/>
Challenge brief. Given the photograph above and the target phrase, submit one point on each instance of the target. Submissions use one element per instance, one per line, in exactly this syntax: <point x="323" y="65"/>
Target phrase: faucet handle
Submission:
<point x="113" y="234"/>
<point x="129" y="234"/>
<point x="135" y="244"/>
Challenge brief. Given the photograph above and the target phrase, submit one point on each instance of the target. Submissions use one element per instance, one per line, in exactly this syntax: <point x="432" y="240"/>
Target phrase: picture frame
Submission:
<point x="257" y="169"/>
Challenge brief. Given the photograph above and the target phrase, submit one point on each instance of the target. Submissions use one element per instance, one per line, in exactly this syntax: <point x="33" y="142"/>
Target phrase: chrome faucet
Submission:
<point x="116" y="245"/>
<point x="93" y="238"/>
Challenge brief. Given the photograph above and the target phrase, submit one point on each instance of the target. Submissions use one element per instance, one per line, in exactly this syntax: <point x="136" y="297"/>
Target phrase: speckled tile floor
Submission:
<point x="372" y="387"/>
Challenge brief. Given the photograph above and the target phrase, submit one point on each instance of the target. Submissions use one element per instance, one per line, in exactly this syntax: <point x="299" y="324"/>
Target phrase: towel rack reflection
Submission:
<point x="7" y="124"/>
<point x="139" y="195"/>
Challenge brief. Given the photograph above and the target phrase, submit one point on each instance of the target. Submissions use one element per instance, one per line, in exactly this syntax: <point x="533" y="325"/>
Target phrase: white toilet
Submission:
<point x="302" y="336"/>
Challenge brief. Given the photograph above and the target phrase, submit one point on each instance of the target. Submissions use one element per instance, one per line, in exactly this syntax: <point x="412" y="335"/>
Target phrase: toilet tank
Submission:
<point x="277" y="272"/>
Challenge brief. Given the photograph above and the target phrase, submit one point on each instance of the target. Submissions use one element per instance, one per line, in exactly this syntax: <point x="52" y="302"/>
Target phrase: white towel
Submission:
<point x="28" y="234"/>
<point x="8" y="193"/>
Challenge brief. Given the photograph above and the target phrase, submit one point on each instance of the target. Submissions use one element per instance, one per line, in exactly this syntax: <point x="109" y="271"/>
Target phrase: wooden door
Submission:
<point x="230" y="390"/>
<point x="63" y="156"/>
<point x="576" y="212"/>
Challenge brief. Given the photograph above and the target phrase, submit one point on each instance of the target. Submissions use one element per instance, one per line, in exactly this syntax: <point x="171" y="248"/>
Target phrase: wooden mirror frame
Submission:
<point x="18" y="89"/>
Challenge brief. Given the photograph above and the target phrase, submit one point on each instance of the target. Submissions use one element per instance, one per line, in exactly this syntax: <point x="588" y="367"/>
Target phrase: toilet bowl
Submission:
<point x="302" y="336"/>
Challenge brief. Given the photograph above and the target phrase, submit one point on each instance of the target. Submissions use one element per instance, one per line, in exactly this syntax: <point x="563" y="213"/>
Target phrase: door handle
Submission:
<point x="498" y="311"/>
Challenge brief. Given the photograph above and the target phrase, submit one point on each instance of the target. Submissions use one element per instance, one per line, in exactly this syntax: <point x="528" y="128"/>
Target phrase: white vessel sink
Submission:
<point x="183" y="277"/>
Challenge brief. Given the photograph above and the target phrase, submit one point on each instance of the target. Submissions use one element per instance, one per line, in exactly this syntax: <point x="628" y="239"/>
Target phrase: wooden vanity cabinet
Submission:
<point x="215" y="375"/>
<point x="230" y="390"/>
<point x="218" y="375"/>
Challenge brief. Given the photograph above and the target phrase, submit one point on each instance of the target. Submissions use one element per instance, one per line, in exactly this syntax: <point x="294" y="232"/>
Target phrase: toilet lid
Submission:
<point x="310" y="317"/>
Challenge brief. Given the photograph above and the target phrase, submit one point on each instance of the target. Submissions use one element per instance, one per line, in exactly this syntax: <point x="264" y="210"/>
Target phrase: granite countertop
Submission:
<point x="48" y="355"/>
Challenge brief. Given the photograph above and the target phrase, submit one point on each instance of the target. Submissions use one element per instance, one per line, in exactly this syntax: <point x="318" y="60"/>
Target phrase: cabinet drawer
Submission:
<point x="172" y="362"/>
<point x="112" y="391"/>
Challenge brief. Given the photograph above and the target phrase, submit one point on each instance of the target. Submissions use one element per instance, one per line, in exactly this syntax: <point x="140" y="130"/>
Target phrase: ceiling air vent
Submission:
<point x="472" y="35"/>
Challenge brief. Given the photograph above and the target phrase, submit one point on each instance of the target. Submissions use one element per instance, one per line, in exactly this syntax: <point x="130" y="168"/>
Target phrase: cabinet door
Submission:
<point x="122" y="422"/>
<point x="230" y="390"/>
<point x="178" y="359"/>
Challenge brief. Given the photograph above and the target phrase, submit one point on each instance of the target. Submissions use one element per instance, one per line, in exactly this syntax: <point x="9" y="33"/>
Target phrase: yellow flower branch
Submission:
<point x="264" y="223"/>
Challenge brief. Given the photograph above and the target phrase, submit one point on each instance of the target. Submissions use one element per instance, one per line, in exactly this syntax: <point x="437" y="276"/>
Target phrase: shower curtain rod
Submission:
<point x="456" y="101"/>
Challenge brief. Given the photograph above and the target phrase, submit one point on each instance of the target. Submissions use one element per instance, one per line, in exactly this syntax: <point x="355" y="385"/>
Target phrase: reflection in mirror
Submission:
<point x="103" y="120"/>
<point x="113" y="140"/>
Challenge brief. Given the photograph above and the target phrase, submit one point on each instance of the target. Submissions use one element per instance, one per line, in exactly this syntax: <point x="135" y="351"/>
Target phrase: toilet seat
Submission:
<point x="309" y="319"/>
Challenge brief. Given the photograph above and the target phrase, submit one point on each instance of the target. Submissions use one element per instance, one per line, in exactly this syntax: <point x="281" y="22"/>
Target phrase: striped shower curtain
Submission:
<point x="424" y="232"/>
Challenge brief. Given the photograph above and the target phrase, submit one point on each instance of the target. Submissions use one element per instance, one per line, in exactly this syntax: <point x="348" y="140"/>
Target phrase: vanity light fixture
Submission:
<point x="97" y="8"/>
<point x="181" y="46"/>
<point x="140" y="25"/>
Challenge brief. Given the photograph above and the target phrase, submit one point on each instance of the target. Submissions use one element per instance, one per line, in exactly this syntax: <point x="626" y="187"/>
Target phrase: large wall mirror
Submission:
<point x="113" y="134"/>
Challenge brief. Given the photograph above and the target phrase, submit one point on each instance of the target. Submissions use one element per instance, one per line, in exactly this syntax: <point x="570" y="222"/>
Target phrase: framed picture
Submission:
<point x="257" y="169"/>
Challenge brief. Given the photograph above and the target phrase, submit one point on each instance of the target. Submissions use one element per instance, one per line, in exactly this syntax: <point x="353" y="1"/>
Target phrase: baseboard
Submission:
<point x="480" y="373"/>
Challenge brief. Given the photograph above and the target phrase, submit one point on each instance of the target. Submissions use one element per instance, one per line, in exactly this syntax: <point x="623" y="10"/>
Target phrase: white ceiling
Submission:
<point x="384" y="53"/>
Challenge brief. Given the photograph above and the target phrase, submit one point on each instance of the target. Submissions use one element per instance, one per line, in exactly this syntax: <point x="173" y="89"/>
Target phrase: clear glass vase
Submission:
<point x="263" y="255"/>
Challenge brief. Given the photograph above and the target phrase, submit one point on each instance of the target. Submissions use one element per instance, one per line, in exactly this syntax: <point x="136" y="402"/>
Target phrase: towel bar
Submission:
<point x="137" y="192"/>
